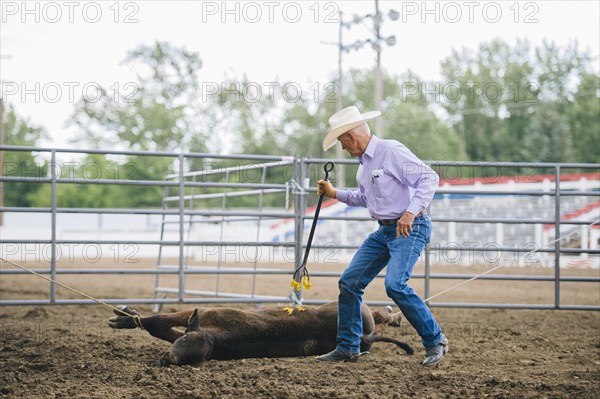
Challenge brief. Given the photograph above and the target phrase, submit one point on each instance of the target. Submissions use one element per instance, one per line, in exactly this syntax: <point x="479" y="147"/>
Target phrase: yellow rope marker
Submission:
<point x="306" y="282"/>
<point x="299" y="308"/>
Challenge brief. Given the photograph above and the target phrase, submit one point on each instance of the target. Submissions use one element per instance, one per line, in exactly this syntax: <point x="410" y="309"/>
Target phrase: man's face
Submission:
<point x="349" y="143"/>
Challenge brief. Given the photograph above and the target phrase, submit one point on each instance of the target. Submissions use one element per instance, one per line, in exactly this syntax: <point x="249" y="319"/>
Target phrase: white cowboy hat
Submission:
<point x="343" y="121"/>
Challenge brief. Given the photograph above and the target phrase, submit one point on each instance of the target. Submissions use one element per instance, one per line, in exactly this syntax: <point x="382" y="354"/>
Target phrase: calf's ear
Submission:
<point x="193" y="322"/>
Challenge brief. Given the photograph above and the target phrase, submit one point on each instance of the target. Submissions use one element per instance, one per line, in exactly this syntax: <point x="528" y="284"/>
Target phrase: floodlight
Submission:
<point x="377" y="18"/>
<point x="394" y="15"/>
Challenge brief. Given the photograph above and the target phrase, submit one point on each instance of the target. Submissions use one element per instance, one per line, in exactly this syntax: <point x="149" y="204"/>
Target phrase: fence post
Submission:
<point x="427" y="270"/>
<point x="299" y="206"/>
<point x="427" y="275"/>
<point x="556" y="237"/>
<point x="53" y="237"/>
<point x="181" y="221"/>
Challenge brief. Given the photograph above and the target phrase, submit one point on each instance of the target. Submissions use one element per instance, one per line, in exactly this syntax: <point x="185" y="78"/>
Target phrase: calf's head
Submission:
<point x="193" y="347"/>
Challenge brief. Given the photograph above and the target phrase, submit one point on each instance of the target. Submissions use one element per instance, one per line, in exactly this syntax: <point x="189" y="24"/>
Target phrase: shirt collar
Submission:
<point x="370" y="150"/>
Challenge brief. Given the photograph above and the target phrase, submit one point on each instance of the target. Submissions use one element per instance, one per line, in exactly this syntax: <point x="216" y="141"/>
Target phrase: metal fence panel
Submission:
<point x="296" y="190"/>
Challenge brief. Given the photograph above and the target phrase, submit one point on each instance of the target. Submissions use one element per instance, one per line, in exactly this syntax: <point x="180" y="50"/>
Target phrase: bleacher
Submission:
<point x="449" y="235"/>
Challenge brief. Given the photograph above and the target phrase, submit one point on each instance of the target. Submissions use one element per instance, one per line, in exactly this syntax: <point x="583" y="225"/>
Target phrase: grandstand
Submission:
<point x="483" y="238"/>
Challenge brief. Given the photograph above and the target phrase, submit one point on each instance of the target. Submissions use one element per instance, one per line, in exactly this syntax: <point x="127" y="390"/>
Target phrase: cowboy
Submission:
<point x="396" y="187"/>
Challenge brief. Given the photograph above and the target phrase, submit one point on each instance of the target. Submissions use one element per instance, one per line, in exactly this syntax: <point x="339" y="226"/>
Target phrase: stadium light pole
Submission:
<point x="377" y="43"/>
<point x="339" y="104"/>
<point x="339" y="152"/>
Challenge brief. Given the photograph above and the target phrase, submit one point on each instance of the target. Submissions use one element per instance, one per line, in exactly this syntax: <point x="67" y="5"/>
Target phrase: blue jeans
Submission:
<point x="400" y="254"/>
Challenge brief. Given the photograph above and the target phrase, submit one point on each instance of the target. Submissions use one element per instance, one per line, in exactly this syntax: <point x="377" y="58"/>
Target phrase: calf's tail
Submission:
<point x="379" y="338"/>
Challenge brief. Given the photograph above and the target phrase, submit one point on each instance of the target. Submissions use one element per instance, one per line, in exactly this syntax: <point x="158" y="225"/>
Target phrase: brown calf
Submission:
<point x="274" y="331"/>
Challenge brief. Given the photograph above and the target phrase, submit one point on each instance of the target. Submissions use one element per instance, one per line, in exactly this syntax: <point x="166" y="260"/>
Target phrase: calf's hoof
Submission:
<point x="118" y="322"/>
<point x="123" y="310"/>
<point x="394" y="319"/>
<point x="167" y="360"/>
<point x="121" y="321"/>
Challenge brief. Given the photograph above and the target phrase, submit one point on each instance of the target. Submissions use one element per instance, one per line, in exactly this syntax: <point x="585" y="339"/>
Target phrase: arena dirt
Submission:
<point x="70" y="352"/>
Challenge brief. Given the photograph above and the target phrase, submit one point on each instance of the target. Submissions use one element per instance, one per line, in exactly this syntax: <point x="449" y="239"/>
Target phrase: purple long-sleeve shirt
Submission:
<point x="391" y="180"/>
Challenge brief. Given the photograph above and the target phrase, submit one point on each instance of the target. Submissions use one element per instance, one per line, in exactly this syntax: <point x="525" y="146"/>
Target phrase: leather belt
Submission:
<point x="392" y="222"/>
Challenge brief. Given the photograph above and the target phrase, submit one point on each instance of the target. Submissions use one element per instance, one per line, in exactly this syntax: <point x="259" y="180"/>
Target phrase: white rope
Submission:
<point x="501" y="265"/>
<point x="65" y="286"/>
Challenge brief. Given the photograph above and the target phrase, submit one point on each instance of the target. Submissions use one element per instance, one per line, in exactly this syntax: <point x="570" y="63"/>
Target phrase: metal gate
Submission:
<point x="197" y="216"/>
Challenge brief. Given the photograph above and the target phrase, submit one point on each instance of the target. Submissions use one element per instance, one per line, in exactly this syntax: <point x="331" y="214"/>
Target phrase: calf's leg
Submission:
<point x="373" y="323"/>
<point x="159" y="326"/>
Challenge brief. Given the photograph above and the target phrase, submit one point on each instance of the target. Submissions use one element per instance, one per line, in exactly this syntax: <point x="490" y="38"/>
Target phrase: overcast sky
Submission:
<point x="53" y="50"/>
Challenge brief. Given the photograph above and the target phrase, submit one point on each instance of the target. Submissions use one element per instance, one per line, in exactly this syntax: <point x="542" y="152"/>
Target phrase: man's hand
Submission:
<point x="404" y="225"/>
<point x="325" y="187"/>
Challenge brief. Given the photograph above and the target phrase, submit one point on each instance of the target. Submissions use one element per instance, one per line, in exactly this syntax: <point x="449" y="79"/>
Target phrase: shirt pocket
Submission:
<point x="379" y="180"/>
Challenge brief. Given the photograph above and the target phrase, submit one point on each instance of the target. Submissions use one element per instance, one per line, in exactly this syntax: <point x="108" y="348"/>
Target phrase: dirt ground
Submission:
<point x="69" y="351"/>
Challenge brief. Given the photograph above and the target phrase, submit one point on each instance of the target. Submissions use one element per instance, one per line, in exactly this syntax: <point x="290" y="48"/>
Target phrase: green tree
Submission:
<point x="162" y="111"/>
<point x="584" y="119"/>
<point x="20" y="132"/>
<point x="253" y="118"/>
<point x="306" y="123"/>
<point x="90" y="194"/>
<point x="493" y="91"/>
<point x="158" y="112"/>
<point x="547" y="137"/>
<point x="524" y="105"/>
